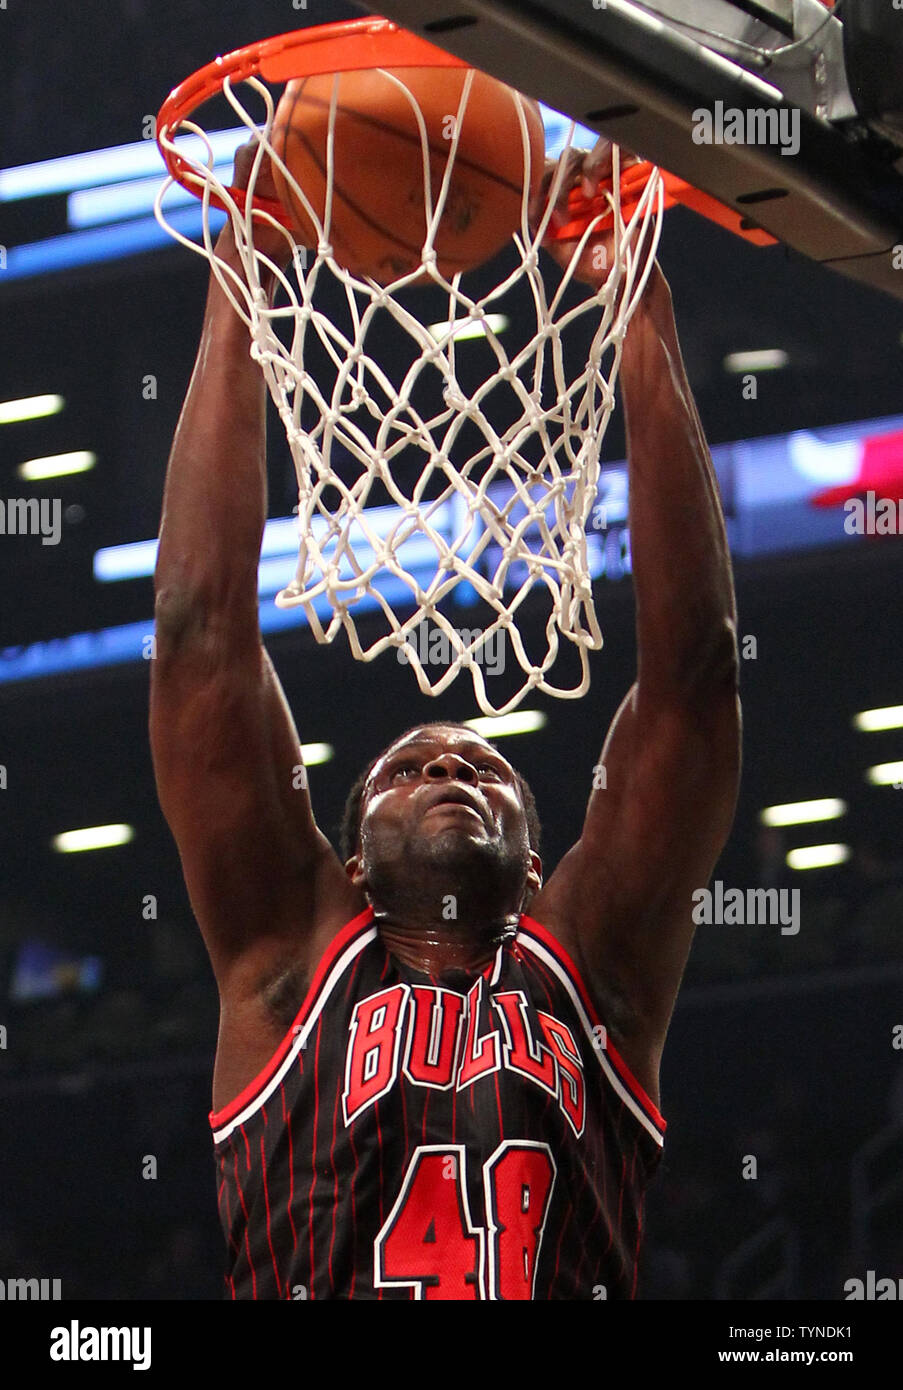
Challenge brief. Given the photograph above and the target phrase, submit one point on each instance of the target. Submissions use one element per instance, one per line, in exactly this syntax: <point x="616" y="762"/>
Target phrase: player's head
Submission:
<point x="442" y="800"/>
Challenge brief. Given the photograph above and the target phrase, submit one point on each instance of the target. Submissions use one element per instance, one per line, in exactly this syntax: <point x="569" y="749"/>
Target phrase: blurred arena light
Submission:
<point x="523" y="721"/>
<point x="801" y="812"/>
<point x="885" y="774"/>
<point x="872" y="720"/>
<point x="312" y="754"/>
<point x="99" y="244"/>
<point x="93" y="837"/>
<point x="465" y="329"/>
<point x="111" y="193"/>
<point x="117" y="165"/>
<point x="761" y="360"/>
<point x="57" y="465"/>
<point x="30" y="408"/>
<point x="817" y="856"/>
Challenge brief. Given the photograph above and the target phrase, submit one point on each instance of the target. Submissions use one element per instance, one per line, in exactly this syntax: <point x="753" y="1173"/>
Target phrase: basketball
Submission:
<point x="379" y="214"/>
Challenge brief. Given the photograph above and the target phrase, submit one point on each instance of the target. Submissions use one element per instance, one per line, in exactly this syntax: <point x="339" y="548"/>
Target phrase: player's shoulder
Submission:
<point x="599" y="1005"/>
<point x="558" y="951"/>
<point x="549" y="937"/>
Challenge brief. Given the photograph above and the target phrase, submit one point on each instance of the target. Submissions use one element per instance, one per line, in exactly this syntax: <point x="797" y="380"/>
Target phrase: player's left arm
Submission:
<point x="621" y="899"/>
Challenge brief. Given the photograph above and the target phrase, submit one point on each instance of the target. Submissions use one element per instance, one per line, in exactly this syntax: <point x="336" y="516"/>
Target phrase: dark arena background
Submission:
<point x="782" y="1082"/>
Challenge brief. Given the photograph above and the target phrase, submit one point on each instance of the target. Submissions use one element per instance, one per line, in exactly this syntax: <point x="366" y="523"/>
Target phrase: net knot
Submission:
<point x="455" y="399"/>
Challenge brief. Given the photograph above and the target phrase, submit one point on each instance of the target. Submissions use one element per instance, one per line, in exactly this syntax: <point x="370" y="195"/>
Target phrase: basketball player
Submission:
<point x="436" y="1073"/>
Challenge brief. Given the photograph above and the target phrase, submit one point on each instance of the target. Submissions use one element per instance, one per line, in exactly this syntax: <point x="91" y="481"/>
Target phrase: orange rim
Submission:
<point x="341" y="47"/>
<point x="373" y="43"/>
<point x="677" y="190"/>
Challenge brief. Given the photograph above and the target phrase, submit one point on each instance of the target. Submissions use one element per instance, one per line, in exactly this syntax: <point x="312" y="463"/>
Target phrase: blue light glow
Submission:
<point x="131" y="642"/>
<point x="94" y="168"/>
<point x="136" y="559"/>
<point x="104" y="243"/>
<point x="97" y="207"/>
<point x="108" y="186"/>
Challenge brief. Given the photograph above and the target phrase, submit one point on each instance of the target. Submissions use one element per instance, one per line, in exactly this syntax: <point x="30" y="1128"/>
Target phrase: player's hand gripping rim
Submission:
<point x="584" y="170"/>
<point x="271" y="241"/>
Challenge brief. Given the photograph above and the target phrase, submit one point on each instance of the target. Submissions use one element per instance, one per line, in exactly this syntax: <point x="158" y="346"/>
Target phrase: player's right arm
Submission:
<point x="264" y="882"/>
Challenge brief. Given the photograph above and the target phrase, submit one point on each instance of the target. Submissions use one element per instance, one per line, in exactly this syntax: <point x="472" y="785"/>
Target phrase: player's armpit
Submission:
<point x="234" y="791"/>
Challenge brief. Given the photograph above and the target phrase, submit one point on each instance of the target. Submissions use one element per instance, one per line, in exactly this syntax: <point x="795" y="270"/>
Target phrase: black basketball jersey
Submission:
<point x="460" y="1136"/>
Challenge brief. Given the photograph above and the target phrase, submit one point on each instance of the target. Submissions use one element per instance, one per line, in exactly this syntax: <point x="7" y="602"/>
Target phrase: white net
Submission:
<point x="436" y="478"/>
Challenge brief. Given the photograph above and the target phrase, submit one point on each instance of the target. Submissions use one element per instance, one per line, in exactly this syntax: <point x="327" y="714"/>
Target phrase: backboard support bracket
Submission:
<point x="616" y="69"/>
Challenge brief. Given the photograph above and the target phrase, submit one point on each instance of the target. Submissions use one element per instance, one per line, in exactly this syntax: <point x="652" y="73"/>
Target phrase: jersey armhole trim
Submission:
<point x="219" y="1118"/>
<point x="554" y="946"/>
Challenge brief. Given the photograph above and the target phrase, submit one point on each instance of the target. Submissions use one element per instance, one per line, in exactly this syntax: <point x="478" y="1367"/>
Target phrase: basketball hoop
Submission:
<point x="503" y="489"/>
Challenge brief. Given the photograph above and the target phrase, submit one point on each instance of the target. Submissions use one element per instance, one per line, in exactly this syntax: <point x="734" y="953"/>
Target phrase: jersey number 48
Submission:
<point x="429" y="1243"/>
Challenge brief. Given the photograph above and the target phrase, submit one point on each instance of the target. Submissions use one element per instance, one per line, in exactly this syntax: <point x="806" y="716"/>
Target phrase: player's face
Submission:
<point x="443" y="789"/>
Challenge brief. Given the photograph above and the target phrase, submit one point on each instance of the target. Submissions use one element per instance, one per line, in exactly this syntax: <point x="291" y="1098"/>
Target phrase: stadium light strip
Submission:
<point x="803" y="812"/>
<point x="29" y="408"/>
<point x="142" y="159"/>
<point x="524" y="721"/>
<point x="122" y="181"/>
<point x="466" y="329"/>
<point x="93" y="837"/>
<point x="91" y="206"/>
<point x="116" y="163"/>
<point x="100" y="244"/>
<point x="763" y="360"/>
<point x="109" y="188"/>
<point x="95" y="207"/>
<point x="133" y="642"/>
<point x="314" y="754"/>
<point x="137" y="559"/>
<point x="885" y="775"/>
<point x="871" y="721"/>
<point x="113" y="646"/>
<point x="817" y="856"/>
<point x="56" y="465"/>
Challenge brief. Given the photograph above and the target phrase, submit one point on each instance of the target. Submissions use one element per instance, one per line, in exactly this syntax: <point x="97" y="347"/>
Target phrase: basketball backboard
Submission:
<point x="815" y="97"/>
